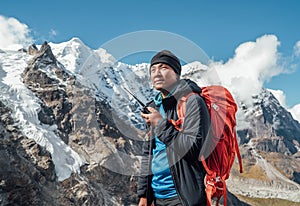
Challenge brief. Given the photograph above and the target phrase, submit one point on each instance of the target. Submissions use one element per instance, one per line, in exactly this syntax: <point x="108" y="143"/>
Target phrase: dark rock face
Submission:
<point x="32" y="49"/>
<point x="285" y="125"/>
<point x="27" y="171"/>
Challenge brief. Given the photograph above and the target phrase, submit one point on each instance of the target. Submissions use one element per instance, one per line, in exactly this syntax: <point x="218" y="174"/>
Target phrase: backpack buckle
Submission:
<point x="215" y="106"/>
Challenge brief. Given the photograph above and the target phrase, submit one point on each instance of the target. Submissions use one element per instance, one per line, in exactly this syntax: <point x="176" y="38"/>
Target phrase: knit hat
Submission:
<point x="168" y="58"/>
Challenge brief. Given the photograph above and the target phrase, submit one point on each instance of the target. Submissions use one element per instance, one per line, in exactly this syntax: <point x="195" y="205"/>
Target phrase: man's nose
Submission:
<point x="156" y="72"/>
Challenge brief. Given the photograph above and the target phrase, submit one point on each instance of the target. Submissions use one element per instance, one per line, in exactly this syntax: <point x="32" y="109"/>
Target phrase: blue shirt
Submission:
<point x="162" y="181"/>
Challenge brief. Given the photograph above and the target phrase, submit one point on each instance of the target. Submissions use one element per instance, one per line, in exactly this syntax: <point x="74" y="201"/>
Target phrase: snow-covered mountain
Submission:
<point x="65" y="108"/>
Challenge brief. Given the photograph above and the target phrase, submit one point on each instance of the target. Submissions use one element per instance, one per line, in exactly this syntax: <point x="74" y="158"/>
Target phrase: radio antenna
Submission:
<point x="144" y="110"/>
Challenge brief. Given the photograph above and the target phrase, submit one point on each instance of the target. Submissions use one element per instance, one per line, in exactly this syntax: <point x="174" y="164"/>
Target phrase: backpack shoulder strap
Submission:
<point x="181" y="111"/>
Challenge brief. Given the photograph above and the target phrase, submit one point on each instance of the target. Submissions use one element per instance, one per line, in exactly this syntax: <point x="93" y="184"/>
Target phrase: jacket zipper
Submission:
<point x="182" y="200"/>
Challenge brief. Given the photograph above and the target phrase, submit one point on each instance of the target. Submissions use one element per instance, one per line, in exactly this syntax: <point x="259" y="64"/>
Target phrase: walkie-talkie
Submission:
<point x="144" y="110"/>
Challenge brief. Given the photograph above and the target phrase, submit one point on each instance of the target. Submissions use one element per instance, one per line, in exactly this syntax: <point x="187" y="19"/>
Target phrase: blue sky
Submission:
<point x="218" y="27"/>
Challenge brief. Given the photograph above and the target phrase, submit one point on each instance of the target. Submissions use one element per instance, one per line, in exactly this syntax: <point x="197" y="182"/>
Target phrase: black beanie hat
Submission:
<point x="168" y="58"/>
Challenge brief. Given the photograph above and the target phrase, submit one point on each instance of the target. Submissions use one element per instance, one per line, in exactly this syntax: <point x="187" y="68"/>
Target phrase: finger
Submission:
<point x="151" y="109"/>
<point x="145" y="116"/>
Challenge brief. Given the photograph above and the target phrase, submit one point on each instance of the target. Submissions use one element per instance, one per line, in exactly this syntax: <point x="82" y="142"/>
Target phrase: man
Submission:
<point x="171" y="171"/>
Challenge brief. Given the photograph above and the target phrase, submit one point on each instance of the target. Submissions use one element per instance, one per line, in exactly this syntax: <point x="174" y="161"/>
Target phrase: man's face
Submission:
<point x="163" y="77"/>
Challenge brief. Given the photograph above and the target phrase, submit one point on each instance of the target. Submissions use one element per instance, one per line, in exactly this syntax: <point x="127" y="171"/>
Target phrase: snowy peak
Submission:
<point x="195" y="71"/>
<point x="44" y="56"/>
<point x="72" y="54"/>
<point x="79" y="58"/>
<point x="193" y="67"/>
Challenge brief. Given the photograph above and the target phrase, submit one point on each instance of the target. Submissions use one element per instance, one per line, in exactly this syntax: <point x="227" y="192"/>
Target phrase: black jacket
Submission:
<point x="183" y="148"/>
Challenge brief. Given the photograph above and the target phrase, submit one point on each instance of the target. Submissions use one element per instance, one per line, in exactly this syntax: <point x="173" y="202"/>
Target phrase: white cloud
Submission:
<point x="53" y="32"/>
<point x="280" y="96"/>
<point x="253" y="64"/>
<point x="13" y="34"/>
<point x="297" y="49"/>
<point x="295" y="111"/>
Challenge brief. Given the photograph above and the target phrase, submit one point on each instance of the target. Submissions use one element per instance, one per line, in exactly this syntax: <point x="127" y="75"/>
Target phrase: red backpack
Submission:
<point x="222" y="109"/>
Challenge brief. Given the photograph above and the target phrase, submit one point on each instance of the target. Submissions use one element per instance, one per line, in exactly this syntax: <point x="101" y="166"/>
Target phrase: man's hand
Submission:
<point x="143" y="201"/>
<point x="153" y="117"/>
